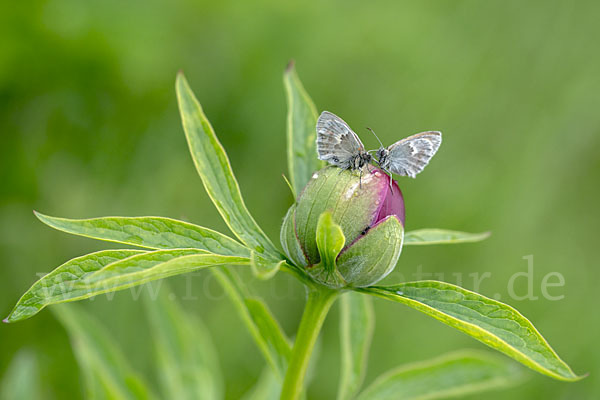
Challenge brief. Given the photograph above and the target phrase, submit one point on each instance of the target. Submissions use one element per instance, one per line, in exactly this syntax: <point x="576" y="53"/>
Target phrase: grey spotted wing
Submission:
<point x="411" y="155"/>
<point x="336" y="142"/>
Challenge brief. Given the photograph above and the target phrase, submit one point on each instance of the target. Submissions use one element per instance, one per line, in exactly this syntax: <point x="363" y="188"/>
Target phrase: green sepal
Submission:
<point x="289" y="239"/>
<point x="373" y="256"/>
<point x="330" y="241"/>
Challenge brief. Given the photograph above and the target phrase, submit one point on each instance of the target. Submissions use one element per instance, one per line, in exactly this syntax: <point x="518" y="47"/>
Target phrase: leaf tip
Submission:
<point x="290" y="66"/>
<point x="45" y="219"/>
<point x="576" y="378"/>
<point x="180" y="80"/>
<point x="6" y="321"/>
<point x="39" y="216"/>
<point x="289" y="185"/>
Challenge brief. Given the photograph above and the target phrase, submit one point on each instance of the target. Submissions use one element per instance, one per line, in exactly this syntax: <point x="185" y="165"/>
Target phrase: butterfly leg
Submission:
<point x="360" y="179"/>
<point x="390" y="175"/>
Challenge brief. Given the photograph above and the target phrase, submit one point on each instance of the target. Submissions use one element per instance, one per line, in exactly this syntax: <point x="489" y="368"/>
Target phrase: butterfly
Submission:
<point x="340" y="146"/>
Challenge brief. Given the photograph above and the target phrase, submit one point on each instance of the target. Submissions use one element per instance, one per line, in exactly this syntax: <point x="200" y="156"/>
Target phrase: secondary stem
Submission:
<point x="317" y="306"/>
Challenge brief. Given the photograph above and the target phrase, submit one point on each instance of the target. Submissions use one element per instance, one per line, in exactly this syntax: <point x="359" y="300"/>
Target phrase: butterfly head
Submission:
<point x="382" y="153"/>
<point x="382" y="156"/>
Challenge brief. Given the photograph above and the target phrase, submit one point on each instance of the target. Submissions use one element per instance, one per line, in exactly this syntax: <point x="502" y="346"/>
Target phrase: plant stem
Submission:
<point x="317" y="306"/>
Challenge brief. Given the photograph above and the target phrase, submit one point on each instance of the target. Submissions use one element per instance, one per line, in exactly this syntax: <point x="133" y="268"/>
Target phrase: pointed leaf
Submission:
<point x="301" y="131"/>
<point x="489" y="321"/>
<point x="357" y="322"/>
<point x="187" y="363"/>
<point x="21" y="379"/>
<point x="149" y="232"/>
<point x="107" y="375"/>
<point x="264" y="269"/>
<point x="154" y="265"/>
<point x="264" y="328"/>
<point x="112" y="270"/>
<point x="217" y="176"/>
<point x="59" y="286"/>
<point x="453" y="375"/>
<point x="442" y="236"/>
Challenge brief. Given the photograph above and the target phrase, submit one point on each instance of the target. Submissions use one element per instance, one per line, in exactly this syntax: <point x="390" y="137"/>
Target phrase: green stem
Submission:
<point x="317" y="306"/>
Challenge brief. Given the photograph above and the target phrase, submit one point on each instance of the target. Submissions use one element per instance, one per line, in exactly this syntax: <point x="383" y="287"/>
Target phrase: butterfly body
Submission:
<point x="382" y="156"/>
<point x="340" y="146"/>
<point x="360" y="160"/>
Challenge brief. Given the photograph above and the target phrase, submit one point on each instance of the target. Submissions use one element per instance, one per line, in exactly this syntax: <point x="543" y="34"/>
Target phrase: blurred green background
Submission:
<point x="90" y="127"/>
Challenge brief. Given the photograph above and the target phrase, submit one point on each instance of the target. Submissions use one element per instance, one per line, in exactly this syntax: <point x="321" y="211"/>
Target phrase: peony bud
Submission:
<point x="344" y="231"/>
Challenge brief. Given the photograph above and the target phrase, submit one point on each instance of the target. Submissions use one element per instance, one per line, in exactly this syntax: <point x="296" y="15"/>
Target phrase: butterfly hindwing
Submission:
<point x="411" y="155"/>
<point x="336" y="142"/>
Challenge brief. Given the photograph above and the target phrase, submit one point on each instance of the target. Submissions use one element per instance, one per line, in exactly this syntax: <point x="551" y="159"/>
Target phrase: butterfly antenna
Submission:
<point x="376" y="137"/>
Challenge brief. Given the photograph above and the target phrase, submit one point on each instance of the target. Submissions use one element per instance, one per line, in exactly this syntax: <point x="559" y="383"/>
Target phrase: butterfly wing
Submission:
<point x="411" y="155"/>
<point x="336" y="142"/>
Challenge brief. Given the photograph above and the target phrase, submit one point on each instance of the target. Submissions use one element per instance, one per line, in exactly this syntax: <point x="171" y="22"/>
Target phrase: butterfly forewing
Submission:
<point x="411" y="155"/>
<point x="336" y="142"/>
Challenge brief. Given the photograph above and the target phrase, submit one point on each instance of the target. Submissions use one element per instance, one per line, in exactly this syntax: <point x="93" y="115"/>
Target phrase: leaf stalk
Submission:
<point x="317" y="306"/>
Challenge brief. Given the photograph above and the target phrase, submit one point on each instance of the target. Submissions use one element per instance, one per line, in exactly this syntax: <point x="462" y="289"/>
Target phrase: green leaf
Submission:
<point x="264" y="328"/>
<point x="442" y="236"/>
<point x="264" y="269"/>
<point x="112" y="270"/>
<point x="268" y="387"/>
<point x="60" y="285"/>
<point x="21" y="378"/>
<point x="149" y="232"/>
<point x="301" y="131"/>
<point x="186" y="360"/>
<point x="453" y="375"/>
<point x="330" y="241"/>
<point x="357" y="322"/>
<point x="154" y="265"/>
<point x="106" y="372"/>
<point x="489" y="321"/>
<point x="217" y="176"/>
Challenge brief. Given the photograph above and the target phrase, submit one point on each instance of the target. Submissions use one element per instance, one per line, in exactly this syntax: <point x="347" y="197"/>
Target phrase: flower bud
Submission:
<point x="345" y="231"/>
